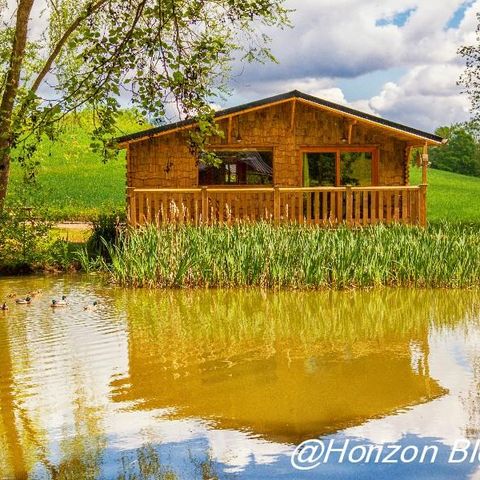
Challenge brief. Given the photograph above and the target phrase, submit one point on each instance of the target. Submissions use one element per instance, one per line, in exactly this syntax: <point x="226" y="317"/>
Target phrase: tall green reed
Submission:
<point x="293" y="256"/>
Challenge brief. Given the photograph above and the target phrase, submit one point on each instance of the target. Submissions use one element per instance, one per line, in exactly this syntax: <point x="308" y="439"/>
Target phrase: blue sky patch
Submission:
<point x="370" y="84"/>
<point x="459" y="15"/>
<point x="399" y="19"/>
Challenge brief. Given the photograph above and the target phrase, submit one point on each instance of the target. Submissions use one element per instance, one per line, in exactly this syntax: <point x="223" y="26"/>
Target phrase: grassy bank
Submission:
<point x="262" y="255"/>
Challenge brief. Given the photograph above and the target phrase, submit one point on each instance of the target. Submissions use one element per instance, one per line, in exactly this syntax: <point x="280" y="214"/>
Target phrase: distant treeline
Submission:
<point x="462" y="152"/>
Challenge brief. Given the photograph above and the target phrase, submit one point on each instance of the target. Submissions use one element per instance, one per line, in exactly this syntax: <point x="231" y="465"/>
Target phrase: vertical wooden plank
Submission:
<point x="204" y="199"/>
<point x="325" y="213"/>
<point x="308" y="215"/>
<point x="276" y="205"/>
<point x="404" y="205"/>
<point x="316" y="207"/>
<point x="155" y="203"/>
<point x="141" y="213"/>
<point x="358" y="219"/>
<point x="333" y="207"/>
<point x="300" y="208"/>
<point x="414" y="207"/>
<point x="348" y="205"/>
<point x="196" y="209"/>
<point x="381" y="206"/>
<point x="388" y="217"/>
<point x="365" y="214"/>
<point x="221" y="207"/>
<point x="179" y="209"/>
<point x="228" y="203"/>
<point x="291" y="210"/>
<point x="396" y="209"/>
<point x="423" y="205"/>
<point x="373" y="208"/>
<point x="339" y="196"/>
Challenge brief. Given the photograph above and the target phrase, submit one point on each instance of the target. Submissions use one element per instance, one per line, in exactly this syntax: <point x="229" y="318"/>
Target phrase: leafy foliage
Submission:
<point x="154" y="52"/>
<point x="23" y="237"/>
<point x="461" y="154"/>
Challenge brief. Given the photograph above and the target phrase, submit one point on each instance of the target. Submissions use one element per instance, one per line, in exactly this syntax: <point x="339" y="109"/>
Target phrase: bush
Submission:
<point x="105" y="231"/>
<point x="24" y="238"/>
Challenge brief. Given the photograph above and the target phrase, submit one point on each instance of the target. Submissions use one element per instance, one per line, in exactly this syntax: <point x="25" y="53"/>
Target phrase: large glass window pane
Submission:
<point x="319" y="169"/>
<point x="356" y="168"/>
<point x="243" y="167"/>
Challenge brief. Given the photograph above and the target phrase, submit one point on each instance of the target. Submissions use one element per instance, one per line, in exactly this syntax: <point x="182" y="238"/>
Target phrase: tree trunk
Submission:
<point x="10" y="92"/>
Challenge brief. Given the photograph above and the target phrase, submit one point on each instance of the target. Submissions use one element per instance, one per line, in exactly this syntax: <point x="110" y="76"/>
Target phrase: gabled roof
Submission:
<point x="295" y="94"/>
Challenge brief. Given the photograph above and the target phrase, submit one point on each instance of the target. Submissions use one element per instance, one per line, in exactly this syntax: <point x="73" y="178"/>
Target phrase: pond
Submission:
<point x="226" y="384"/>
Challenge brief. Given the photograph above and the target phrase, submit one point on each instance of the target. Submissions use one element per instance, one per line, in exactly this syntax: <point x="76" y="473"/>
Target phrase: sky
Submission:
<point x="393" y="58"/>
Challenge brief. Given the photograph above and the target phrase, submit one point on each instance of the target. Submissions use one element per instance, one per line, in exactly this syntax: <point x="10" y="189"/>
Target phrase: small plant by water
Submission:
<point x="292" y="256"/>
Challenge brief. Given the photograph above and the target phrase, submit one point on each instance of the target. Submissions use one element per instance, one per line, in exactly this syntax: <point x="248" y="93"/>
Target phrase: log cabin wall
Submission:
<point x="165" y="161"/>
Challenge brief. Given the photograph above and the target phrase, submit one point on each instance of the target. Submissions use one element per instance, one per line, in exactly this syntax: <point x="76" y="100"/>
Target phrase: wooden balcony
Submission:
<point x="355" y="206"/>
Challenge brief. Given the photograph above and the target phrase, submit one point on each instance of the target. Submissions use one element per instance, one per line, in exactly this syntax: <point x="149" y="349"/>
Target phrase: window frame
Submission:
<point x="338" y="150"/>
<point x="230" y="148"/>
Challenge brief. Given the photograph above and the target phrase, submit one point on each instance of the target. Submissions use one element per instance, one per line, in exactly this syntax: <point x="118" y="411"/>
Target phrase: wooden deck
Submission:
<point x="355" y="206"/>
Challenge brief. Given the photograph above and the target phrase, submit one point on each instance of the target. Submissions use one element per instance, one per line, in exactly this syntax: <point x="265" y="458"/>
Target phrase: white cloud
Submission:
<point x="426" y="97"/>
<point x="340" y="39"/>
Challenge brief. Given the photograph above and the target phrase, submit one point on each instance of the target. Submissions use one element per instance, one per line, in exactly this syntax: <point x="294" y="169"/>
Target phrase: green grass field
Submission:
<point x="72" y="181"/>
<point x="450" y="196"/>
<point x="74" y="184"/>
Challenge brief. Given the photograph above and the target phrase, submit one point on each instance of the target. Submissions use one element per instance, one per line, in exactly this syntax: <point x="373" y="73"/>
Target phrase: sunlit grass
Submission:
<point x="450" y="196"/>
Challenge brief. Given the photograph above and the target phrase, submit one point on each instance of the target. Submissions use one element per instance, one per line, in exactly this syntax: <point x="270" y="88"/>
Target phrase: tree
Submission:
<point x="471" y="76"/>
<point x="462" y="152"/>
<point x="92" y="52"/>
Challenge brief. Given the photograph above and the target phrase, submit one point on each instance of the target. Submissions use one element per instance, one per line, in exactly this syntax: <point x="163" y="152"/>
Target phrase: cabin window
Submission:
<point x="338" y="167"/>
<point x="243" y="167"/>
<point x="356" y="168"/>
<point x="319" y="169"/>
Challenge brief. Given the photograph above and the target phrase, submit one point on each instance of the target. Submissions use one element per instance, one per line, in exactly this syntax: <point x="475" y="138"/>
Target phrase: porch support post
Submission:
<point x="424" y="164"/>
<point x="423" y="187"/>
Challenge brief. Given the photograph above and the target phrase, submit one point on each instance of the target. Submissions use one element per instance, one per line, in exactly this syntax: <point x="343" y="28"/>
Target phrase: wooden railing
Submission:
<point x="319" y="206"/>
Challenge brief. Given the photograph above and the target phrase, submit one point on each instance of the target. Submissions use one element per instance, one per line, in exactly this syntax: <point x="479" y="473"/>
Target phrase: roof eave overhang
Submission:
<point x="414" y="139"/>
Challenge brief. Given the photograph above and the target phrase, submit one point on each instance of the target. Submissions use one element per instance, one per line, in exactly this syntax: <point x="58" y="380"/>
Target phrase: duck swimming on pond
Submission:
<point x="93" y="306"/>
<point x="35" y="293"/>
<point x="4" y="307"/>
<point x="23" y="301"/>
<point x="59" y="303"/>
<point x="11" y="295"/>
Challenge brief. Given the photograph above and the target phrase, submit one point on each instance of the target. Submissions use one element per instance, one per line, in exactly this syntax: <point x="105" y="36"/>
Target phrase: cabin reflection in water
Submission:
<point x="285" y="367"/>
<point x="175" y="370"/>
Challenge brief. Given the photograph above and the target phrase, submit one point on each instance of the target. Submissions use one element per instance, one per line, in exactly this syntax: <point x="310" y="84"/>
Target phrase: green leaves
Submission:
<point x="460" y="155"/>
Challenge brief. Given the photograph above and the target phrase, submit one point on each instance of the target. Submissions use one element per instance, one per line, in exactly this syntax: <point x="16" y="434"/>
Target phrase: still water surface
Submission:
<point x="225" y="384"/>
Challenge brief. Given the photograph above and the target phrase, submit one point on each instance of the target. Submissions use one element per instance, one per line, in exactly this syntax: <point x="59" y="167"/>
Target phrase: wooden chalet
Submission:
<point x="288" y="158"/>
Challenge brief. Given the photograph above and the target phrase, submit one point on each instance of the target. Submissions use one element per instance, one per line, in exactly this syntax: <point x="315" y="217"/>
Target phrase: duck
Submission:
<point x="35" y="293"/>
<point x="4" y="307"/>
<point x="11" y="295"/>
<point x="93" y="306"/>
<point x="23" y="301"/>
<point x="59" y="303"/>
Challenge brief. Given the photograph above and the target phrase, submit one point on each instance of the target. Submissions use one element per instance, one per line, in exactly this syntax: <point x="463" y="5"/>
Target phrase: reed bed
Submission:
<point x="292" y="256"/>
